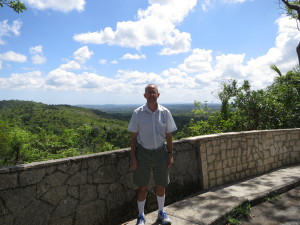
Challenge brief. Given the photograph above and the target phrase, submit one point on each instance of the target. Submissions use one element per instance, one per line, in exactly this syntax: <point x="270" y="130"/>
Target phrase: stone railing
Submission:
<point x="98" y="188"/>
<point x="229" y="157"/>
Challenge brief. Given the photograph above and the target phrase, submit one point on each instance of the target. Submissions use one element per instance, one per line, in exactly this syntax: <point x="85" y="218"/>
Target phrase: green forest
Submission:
<point x="31" y="131"/>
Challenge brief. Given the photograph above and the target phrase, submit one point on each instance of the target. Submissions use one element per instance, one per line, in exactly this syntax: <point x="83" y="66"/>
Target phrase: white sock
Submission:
<point x="160" y="202"/>
<point x="141" y="207"/>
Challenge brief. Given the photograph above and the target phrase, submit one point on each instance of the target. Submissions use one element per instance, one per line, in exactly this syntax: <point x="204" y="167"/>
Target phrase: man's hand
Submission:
<point x="169" y="140"/>
<point x="133" y="143"/>
<point x="170" y="160"/>
<point x="133" y="162"/>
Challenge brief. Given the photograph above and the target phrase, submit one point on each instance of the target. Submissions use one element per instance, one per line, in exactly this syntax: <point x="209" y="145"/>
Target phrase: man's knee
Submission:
<point x="142" y="189"/>
<point x="142" y="193"/>
<point x="160" y="190"/>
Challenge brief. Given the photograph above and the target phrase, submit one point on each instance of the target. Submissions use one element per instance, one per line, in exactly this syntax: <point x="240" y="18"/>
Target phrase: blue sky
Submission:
<point x="105" y="52"/>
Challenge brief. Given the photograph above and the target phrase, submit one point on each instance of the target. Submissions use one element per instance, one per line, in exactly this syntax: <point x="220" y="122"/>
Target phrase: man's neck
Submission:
<point x="152" y="106"/>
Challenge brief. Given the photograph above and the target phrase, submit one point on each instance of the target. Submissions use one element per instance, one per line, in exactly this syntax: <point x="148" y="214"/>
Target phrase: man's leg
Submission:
<point x="161" y="177"/>
<point x="141" y="199"/>
<point x="142" y="193"/>
<point x="160" y="194"/>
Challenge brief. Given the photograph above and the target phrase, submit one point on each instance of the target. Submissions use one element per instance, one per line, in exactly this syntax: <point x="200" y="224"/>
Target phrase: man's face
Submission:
<point x="151" y="94"/>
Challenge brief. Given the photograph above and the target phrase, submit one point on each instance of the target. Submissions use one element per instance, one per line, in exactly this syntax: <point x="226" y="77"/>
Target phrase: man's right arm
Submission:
<point x="133" y="144"/>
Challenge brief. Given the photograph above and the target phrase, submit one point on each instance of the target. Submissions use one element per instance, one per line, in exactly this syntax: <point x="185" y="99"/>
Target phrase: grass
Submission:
<point x="272" y="198"/>
<point x="244" y="210"/>
<point x="240" y="211"/>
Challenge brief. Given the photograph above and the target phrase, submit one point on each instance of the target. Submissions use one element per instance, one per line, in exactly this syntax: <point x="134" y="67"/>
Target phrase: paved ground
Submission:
<point x="213" y="207"/>
<point x="285" y="210"/>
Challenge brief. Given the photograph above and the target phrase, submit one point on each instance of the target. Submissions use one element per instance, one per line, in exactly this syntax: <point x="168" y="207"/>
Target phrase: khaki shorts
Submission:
<point x="151" y="160"/>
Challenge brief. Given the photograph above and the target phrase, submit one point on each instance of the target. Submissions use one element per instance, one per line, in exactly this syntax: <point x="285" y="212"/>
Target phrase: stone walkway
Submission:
<point x="212" y="207"/>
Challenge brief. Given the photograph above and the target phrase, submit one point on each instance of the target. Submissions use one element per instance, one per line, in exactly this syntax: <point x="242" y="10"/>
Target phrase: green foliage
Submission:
<point x="34" y="132"/>
<point x="272" y="198"/>
<point x="16" y="5"/>
<point x="292" y="12"/>
<point x="276" y="107"/>
<point x="240" y="211"/>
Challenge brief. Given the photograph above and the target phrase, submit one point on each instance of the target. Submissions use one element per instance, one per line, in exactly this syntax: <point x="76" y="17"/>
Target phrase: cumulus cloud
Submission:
<point x="30" y="80"/>
<point x="7" y="30"/>
<point x="200" y="60"/>
<point x="133" y="56"/>
<point x="13" y="57"/>
<point x="57" y="5"/>
<point x="60" y="79"/>
<point x="199" y="74"/>
<point x="80" y="56"/>
<point x="37" y="55"/>
<point x="71" y="65"/>
<point x="83" y="54"/>
<point x="155" y="25"/>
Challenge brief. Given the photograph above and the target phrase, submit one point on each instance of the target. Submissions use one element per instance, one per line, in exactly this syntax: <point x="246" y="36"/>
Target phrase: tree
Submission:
<point x="16" y="5"/>
<point x="275" y="107"/>
<point x="293" y="10"/>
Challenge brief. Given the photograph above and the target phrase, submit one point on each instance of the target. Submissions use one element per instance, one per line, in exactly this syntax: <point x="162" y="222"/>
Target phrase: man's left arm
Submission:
<point x="169" y="140"/>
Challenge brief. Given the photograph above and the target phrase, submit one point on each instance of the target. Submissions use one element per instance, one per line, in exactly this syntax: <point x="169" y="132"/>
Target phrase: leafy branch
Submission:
<point x="16" y="5"/>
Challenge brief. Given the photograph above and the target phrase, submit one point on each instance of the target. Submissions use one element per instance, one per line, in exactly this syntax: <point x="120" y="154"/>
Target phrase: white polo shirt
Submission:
<point x="151" y="126"/>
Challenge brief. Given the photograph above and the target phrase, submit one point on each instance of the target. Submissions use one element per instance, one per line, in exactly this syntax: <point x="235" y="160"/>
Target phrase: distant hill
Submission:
<point x="127" y="109"/>
<point x="55" y="118"/>
<point x="182" y="113"/>
<point x="31" y="131"/>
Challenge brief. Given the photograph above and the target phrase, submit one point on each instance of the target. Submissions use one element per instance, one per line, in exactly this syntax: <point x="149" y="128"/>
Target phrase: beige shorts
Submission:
<point x="151" y="160"/>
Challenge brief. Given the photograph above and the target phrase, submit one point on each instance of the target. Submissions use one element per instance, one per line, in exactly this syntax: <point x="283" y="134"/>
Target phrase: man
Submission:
<point x="151" y="124"/>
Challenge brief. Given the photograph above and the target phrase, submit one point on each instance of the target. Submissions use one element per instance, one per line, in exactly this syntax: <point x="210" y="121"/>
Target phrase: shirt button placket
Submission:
<point x="153" y="129"/>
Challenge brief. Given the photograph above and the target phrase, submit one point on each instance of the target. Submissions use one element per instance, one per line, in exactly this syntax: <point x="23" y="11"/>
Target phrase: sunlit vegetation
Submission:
<point x="242" y="109"/>
<point x="32" y="131"/>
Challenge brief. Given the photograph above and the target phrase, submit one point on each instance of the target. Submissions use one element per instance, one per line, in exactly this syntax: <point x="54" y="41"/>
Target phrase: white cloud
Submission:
<point x="71" y="65"/>
<point x="195" y="78"/>
<point x="154" y="26"/>
<point x="206" y="4"/>
<point x="13" y="57"/>
<point x="133" y="56"/>
<point x="60" y="79"/>
<point x="80" y="57"/>
<point x="31" y="81"/>
<point x="57" y="5"/>
<point x="7" y="30"/>
<point x="83" y="54"/>
<point x="199" y="61"/>
<point x="102" y="61"/>
<point x="37" y="55"/>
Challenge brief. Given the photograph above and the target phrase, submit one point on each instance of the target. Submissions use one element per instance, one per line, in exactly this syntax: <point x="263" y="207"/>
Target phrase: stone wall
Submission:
<point x="98" y="188"/>
<point x="92" y="189"/>
<point x="230" y="157"/>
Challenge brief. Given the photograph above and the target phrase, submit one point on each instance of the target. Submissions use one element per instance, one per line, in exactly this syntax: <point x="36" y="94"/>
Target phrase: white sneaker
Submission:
<point x="141" y="220"/>
<point x="163" y="218"/>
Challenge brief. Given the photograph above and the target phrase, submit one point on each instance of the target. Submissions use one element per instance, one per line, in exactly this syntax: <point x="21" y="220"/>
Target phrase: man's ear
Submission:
<point x="145" y="95"/>
<point x="158" y="94"/>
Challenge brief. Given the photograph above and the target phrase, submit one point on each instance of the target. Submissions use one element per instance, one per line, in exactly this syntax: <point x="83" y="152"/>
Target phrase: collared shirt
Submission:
<point x="151" y="126"/>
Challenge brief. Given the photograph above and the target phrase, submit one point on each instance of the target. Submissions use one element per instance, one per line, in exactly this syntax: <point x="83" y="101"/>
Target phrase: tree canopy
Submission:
<point x="16" y="5"/>
<point x="275" y="107"/>
<point x="31" y="131"/>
